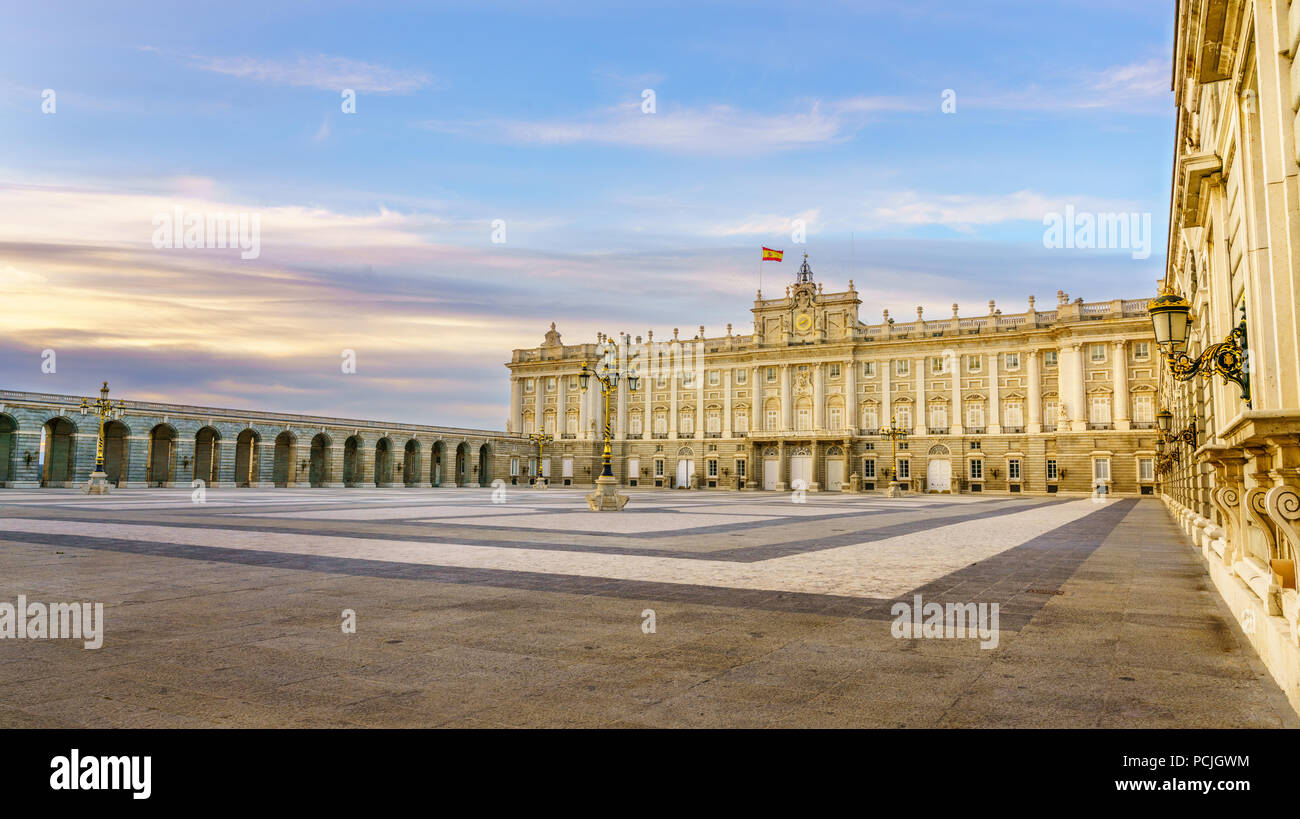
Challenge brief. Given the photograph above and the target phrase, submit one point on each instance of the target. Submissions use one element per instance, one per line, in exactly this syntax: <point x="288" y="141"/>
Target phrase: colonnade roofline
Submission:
<point x="60" y="401"/>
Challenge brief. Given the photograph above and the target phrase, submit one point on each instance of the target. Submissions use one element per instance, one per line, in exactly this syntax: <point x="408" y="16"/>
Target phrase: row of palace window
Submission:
<point x="1097" y="353"/>
<point x="975" y="469"/>
<point x="1099" y="413"/>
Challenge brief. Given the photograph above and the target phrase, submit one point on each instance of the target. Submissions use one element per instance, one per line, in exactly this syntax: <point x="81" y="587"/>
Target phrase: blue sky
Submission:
<point x="376" y="226"/>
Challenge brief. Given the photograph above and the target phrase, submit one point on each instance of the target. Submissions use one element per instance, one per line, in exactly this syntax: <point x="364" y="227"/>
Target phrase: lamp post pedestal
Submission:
<point x="894" y="490"/>
<point x="98" y="483"/>
<point x="606" y="497"/>
<point x="541" y="483"/>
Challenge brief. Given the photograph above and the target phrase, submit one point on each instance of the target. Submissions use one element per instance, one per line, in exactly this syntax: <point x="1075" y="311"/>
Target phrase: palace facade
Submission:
<point x="1038" y="402"/>
<point x="1234" y="256"/>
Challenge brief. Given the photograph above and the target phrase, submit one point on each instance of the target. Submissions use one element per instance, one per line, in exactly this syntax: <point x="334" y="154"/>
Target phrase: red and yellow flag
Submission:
<point x="770" y="255"/>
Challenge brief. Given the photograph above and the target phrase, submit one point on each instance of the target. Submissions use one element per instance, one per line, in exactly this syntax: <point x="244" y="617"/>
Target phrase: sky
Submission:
<point x="610" y="167"/>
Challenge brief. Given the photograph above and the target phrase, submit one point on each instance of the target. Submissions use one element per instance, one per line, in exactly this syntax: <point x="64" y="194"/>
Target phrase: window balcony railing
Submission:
<point x="1144" y="425"/>
<point x="938" y="430"/>
<point x="1049" y="427"/>
<point x="1013" y="430"/>
<point x="739" y="434"/>
<point x="569" y="435"/>
<point x="713" y="435"/>
<point x="660" y="436"/>
<point x="1100" y="426"/>
<point x="976" y="430"/>
<point x="634" y="436"/>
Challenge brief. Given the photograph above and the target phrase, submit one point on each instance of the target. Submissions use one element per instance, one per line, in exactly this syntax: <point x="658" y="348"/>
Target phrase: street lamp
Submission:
<point x="1171" y="316"/>
<point x="102" y="408"/>
<point x="893" y="433"/>
<point x="606" y="497"/>
<point x="542" y="440"/>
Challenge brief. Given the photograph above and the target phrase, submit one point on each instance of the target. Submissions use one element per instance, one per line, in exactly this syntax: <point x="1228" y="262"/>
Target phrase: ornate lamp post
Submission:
<point x="1171" y="316"/>
<point x="103" y="408"/>
<point x="893" y="433"/>
<point x="606" y="497"/>
<point x="542" y="440"/>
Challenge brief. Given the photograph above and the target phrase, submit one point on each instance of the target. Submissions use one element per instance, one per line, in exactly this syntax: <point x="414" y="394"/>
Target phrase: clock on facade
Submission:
<point x="803" y="322"/>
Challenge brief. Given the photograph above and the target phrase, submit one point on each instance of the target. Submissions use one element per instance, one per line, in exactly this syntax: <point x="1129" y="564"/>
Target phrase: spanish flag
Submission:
<point x="770" y="255"/>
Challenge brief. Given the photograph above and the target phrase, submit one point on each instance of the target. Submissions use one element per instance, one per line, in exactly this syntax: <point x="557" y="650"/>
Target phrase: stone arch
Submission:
<point x="437" y="455"/>
<point x="685" y="452"/>
<point x="384" y="462"/>
<point x="352" y="461"/>
<point x="318" y="468"/>
<point x="58" y="452"/>
<point x="411" y="463"/>
<point x="939" y="451"/>
<point x="462" y="464"/>
<point x="246" y="455"/>
<point x="8" y="436"/>
<point x="161" y="467"/>
<point x="283" y="466"/>
<point x="207" y="455"/>
<point x="484" y="465"/>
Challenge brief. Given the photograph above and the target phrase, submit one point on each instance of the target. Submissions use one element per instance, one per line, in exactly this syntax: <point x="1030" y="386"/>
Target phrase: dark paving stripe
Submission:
<point x="740" y="554"/>
<point x="1043" y="563"/>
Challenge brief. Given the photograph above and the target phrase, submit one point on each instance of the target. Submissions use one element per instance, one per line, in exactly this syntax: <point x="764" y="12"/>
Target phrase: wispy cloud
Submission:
<point x="710" y="130"/>
<point x="330" y="73"/>
<point x="963" y="212"/>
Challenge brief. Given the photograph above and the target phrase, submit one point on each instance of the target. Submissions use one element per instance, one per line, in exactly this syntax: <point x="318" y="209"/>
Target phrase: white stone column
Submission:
<point x="995" y="393"/>
<point x="647" y="409"/>
<point x="726" y="403"/>
<point x="755" y="401"/>
<point x="672" y="402"/>
<point x="539" y="404"/>
<point x="922" y="420"/>
<point x="886" y="393"/>
<point x="1035" y="393"/>
<point x="620" y="416"/>
<point x="561" y="404"/>
<point x="516" y="406"/>
<point x="700" y="379"/>
<point x="850" y="398"/>
<point x="819" y="397"/>
<point x="1078" y="412"/>
<point x="1120" y="408"/>
<point x="584" y="411"/>
<point x="787" y="399"/>
<point x="955" y="408"/>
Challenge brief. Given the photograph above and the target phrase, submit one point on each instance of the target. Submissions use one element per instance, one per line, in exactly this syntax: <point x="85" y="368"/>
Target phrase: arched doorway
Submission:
<point x="116" y="434"/>
<point x="207" y="456"/>
<point x="685" y="467"/>
<point x="801" y="468"/>
<point x="462" y="464"/>
<point x="162" y="456"/>
<point x="771" y="468"/>
<point x="383" y="462"/>
<point x="938" y="471"/>
<point x="435" y="463"/>
<point x="351" y="461"/>
<point x="58" y="453"/>
<point x="411" y="463"/>
<point x="246" y="457"/>
<point x="282" y="465"/>
<point x="484" y="479"/>
<point x="319" y="469"/>
<point x="8" y="426"/>
<point x="834" y="469"/>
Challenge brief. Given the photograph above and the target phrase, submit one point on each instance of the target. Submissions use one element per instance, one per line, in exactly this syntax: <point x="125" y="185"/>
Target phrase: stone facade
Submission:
<point x="45" y="441"/>
<point x="1234" y="252"/>
<point x="1043" y="401"/>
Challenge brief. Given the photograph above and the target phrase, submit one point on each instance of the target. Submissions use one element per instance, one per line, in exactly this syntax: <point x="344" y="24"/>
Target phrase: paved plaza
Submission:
<point x="526" y="610"/>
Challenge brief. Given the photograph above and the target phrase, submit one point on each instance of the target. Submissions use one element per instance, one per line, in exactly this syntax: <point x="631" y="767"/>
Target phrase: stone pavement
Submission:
<point x="530" y="612"/>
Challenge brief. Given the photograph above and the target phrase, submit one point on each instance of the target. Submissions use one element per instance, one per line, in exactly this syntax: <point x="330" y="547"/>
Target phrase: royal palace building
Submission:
<point x="1230" y="471"/>
<point x="1039" y="402"/>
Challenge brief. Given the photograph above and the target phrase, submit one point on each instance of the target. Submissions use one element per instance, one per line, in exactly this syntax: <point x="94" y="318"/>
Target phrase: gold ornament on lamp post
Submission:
<point x="542" y="440"/>
<point x="606" y="497"/>
<point x="102" y="408"/>
<point x="894" y="433"/>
